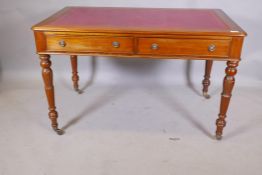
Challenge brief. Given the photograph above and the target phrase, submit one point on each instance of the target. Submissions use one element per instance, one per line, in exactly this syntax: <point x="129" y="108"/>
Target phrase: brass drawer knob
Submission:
<point x="116" y="44"/>
<point x="62" y="43"/>
<point x="211" y="47"/>
<point x="154" y="46"/>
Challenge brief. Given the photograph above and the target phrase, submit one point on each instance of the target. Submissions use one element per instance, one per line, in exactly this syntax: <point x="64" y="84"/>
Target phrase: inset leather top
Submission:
<point x="140" y="19"/>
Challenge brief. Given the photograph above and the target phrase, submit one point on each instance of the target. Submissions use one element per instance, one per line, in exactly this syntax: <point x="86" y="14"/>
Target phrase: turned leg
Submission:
<point x="206" y="81"/>
<point x="75" y="77"/>
<point x="49" y="89"/>
<point x="228" y="85"/>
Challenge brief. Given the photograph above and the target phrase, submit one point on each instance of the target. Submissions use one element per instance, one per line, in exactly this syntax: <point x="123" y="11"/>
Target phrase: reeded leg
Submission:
<point x="228" y="85"/>
<point x="49" y="89"/>
<point x="206" y="81"/>
<point x="75" y="77"/>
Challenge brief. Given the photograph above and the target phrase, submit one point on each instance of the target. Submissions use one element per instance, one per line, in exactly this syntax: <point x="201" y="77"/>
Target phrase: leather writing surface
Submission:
<point x="139" y="18"/>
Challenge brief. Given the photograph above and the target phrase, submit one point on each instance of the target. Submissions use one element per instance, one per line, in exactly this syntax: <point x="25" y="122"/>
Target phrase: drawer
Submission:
<point x="184" y="47"/>
<point x="94" y="44"/>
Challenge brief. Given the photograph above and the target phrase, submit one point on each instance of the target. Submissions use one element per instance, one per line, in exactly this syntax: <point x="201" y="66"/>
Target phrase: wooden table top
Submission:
<point x="158" y="20"/>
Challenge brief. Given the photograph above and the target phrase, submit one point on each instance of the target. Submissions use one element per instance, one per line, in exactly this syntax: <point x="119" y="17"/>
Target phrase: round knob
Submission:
<point x="62" y="43"/>
<point x="116" y="44"/>
<point x="154" y="46"/>
<point x="211" y="48"/>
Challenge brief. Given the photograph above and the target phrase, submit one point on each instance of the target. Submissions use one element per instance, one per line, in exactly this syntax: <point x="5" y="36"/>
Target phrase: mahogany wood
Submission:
<point x="75" y="77"/>
<point x="206" y="81"/>
<point x="89" y="44"/>
<point x="183" y="47"/>
<point x="228" y="85"/>
<point x="193" y="34"/>
<point x="47" y="74"/>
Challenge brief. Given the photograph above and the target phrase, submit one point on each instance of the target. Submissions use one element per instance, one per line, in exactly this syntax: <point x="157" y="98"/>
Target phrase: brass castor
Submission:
<point x="59" y="131"/>
<point x="206" y="95"/>
<point x="218" y="137"/>
<point x="78" y="91"/>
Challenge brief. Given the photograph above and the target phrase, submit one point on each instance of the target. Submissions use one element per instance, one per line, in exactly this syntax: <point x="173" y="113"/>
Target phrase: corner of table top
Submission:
<point x="234" y="27"/>
<point x="39" y="25"/>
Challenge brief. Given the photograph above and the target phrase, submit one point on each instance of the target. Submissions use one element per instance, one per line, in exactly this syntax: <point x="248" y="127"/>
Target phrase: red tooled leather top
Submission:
<point x="139" y="18"/>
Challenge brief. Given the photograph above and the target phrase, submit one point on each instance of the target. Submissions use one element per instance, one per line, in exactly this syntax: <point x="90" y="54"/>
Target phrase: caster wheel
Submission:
<point x="218" y="137"/>
<point x="59" y="131"/>
<point x="79" y="91"/>
<point x="206" y="95"/>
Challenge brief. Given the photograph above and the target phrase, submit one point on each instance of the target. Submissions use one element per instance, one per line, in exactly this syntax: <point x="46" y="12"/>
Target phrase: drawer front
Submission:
<point x="184" y="47"/>
<point x="94" y="44"/>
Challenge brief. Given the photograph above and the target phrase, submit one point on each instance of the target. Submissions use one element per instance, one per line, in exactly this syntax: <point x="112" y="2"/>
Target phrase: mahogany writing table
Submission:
<point x="192" y="34"/>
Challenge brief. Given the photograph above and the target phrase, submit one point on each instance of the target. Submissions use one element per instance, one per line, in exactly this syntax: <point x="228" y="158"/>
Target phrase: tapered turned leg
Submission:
<point x="206" y="81"/>
<point x="49" y="89"/>
<point x="228" y="85"/>
<point x="75" y="77"/>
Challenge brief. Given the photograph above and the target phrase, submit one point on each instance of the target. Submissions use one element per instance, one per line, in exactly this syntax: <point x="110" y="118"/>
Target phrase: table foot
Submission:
<point x="59" y="131"/>
<point x="219" y="137"/>
<point x="206" y="95"/>
<point x="78" y="91"/>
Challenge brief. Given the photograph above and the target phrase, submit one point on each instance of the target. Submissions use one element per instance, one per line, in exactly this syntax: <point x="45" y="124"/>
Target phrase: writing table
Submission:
<point x="192" y="34"/>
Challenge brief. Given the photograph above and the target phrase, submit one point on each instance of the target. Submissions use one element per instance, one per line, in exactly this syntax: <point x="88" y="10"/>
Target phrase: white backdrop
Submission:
<point x="18" y="58"/>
